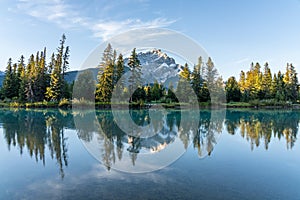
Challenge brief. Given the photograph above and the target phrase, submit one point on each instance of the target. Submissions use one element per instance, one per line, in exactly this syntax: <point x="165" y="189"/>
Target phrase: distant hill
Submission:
<point x="70" y="76"/>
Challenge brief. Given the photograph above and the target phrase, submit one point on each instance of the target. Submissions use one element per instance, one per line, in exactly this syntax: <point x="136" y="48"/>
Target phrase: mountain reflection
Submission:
<point x="42" y="131"/>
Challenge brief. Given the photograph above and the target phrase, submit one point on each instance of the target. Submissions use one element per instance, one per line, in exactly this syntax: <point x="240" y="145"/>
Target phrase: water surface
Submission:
<point x="237" y="154"/>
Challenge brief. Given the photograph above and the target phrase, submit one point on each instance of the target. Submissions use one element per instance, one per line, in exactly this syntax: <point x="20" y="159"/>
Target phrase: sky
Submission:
<point x="234" y="33"/>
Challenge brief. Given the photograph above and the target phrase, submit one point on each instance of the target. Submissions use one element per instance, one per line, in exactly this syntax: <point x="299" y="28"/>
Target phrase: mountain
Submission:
<point x="156" y="65"/>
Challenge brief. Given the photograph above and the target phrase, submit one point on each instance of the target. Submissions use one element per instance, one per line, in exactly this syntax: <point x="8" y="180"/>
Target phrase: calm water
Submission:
<point x="57" y="154"/>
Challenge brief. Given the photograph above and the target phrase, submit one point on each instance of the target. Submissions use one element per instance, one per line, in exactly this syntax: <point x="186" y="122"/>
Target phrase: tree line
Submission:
<point x="258" y="84"/>
<point x="36" y="80"/>
<point x="254" y="85"/>
<point x="203" y="79"/>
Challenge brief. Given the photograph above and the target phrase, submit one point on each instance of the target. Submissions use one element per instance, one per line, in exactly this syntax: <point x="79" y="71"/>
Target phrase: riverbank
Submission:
<point x="67" y="104"/>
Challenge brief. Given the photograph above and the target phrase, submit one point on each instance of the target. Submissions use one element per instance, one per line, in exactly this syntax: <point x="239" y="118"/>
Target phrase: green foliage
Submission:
<point x="197" y="81"/>
<point x="171" y="97"/>
<point x="57" y="89"/>
<point x="291" y="83"/>
<point x="105" y="85"/>
<point x="139" y="95"/>
<point x="35" y="81"/>
<point x="135" y="78"/>
<point x="183" y="89"/>
<point x="255" y="85"/>
<point x="8" y="87"/>
<point x="84" y="86"/>
<point x="32" y="83"/>
<point x="156" y="91"/>
<point x="233" y="92"/>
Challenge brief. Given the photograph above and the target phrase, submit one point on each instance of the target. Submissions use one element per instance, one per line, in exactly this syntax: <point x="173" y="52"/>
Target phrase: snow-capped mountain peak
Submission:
<point x="157" y="66"/>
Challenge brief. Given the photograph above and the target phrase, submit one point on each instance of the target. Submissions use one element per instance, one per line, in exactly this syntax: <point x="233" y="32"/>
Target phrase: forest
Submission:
<point x="40" y="82"/>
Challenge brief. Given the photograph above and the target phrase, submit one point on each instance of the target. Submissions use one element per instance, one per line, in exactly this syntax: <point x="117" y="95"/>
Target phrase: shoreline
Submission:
<point x="176" y="106"/>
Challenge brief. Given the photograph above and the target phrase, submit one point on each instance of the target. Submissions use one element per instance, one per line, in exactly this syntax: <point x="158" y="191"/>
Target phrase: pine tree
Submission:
<point x="266" y="82"/>
<point x="30" y="79"/>
<point x="197" y="81"/>
<point x="170" y="93"/>
<point x="210" y="72"/>
<point x="21" y="80"/>
<point x="273" y="87"/>
<point x="135" y="78"/>
<point x="65" y="64"/>
<point x="183" y="90"/>
<point x="118" y="74"/>
<point x="40" y="78"/>
<point x="15" y="82"/>
<point x="280" y="89"/>
<point x="232" y="88"/>
<point x="58" y="66"/>
<point x="211" y="80"/>
<point x="8" y="80"/>
<point x="54" y="91"/>
<point x="104" y="88"/>
<point x="156" y="91"/>
<point x="23" y="84"/>
<point x="85" y="86"/>
<point x="294" y="83"/>
<point x="242" y="85"/>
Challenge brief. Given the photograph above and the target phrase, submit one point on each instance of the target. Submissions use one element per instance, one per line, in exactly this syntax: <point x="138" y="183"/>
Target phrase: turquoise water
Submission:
<point x="233" y="154"/>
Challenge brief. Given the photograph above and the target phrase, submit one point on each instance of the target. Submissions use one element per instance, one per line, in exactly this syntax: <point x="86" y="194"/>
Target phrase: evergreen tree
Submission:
<point x="8" y="88"/>
<point x="156" y="91"/>
<point x="136" y="72"/>
<point x="104" y="88"/>
<point x="30" y="72"/>
<point x="273" y="87"/>
<point x="54" y="90"/>
<point x="23" y="84"/>
<point x="183" y="87"/>
<point x="291" y="83"/>
<point x="212" y="82"/>
<point x="66" y="56"/>
<point x="197" y="81"/>
<point x="242" y="85"/>
<point x="40" y="77"/>
<point x="170" y="93"/>
<point x="85" y="86"/>
<point x="57" y="86"/>
<point x="280" y="88"/>
<point x="15" y="82"/>
<point x="210" y="73"/>
<point x="118" y="74"/>
<point x="21" y="79"/>
<point x="232" y="88"/>
<point x="266" y="82"/>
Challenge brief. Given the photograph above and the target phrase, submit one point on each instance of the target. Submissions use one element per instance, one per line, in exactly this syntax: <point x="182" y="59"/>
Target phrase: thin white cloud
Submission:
<point x="240" y="61"/>
<point x="106" y="29"/>
<point x="66" y="16"/>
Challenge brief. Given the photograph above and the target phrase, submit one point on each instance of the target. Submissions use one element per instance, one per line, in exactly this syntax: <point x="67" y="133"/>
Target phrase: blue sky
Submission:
<point x="233" y="32"/>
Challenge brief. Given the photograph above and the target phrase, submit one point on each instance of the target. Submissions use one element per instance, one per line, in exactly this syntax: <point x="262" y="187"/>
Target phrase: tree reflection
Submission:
<point x="37" y="130"/>
<point x="167" y="126"/>
<point x="40" y="131"/>
<point x="261" y="126"/>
